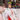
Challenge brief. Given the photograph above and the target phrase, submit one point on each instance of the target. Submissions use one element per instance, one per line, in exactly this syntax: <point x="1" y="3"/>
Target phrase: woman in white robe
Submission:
<point x="7" y="12"/>
<point x="12" y="16"/>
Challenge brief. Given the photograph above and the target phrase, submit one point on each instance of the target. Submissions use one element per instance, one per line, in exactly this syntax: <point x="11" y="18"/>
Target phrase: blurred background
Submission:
<point x="18" y="3"/>
<point x="10" y="3"/>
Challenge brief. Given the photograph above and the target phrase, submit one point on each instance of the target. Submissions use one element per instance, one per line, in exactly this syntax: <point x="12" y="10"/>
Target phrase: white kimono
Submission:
<point x="8" y="12"/>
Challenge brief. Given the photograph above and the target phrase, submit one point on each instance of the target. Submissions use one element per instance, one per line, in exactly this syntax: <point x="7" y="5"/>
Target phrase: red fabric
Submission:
<point x="9" y="18"/>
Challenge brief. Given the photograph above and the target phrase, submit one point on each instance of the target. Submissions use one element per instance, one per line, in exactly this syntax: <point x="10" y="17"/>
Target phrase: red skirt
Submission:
<point x="9" y="18"/>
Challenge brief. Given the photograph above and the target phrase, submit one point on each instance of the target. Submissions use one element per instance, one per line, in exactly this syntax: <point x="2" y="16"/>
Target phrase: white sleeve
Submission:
<point x="6" y="14"/>
<point x="15" y="15"/>
<point x="14" y="11"/>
